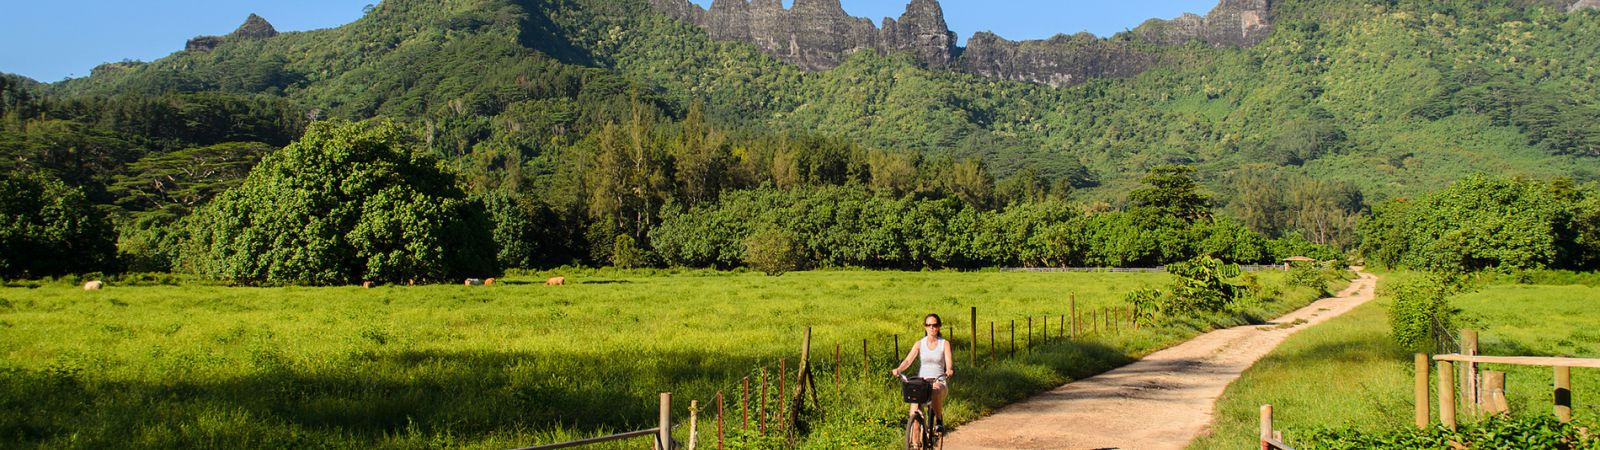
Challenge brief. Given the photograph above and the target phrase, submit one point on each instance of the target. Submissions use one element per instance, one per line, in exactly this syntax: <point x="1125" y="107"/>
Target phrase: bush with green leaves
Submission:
<point x="1202" y="285"/>
<point x="49" y="229"/>
<point x="626" y="254"/>
<point x="1310" y="275"/>
<point x="1541" y="432"/>
<point x="1421" y="317"/>
<point x="773" y="251"/>
<point x="346" y="203"/>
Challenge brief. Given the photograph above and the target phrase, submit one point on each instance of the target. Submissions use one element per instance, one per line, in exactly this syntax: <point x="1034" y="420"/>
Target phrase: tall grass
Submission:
<point x="1349" y="373"/>
<point x="518" y="363"/>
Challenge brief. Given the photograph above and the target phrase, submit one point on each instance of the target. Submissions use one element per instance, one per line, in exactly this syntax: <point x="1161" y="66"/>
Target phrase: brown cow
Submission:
<point x="488" y="282"/>
<point x="557" y="281"/>
<point x="366" y="285"/>
<point x="94" y="285"/>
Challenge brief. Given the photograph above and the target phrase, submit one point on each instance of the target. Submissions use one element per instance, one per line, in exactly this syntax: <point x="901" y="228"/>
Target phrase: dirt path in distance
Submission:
<point x="1162" y="401"/>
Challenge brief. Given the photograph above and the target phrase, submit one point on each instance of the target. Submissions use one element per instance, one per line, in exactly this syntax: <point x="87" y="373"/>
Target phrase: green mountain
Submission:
<point x="1349" y="101"/>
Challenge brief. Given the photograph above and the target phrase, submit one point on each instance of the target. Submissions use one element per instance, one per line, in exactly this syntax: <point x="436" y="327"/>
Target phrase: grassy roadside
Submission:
<point x="518" y="363"/>
<point x="1348" y="373"/>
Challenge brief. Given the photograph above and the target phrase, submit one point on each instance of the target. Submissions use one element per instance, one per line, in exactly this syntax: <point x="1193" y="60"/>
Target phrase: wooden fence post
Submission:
<point x="664" y="436"/>
<point x="1013" y="337"/>
<point x="1563" y="393"/>
<point x="744" y="403"/>
<point x="866" y="367"/>
<point x="896" y="355"/>
<point x="1447" y="395"/>
<point x="1474" y="398"/>
<point x="802" y="383"/>
<point x="974" y="359"/>
<point x="1266" y="426"/>
<point x="838" y="379"/>
<point x="1494" y="393"/>
<point x="1422" y="390"/>
<point x="1030" y="333"/>
<point x="783" y="373"/>
<point x="1045" y="329"/>
<point x="1094" y="322"/>
<point x="1072" y="302"/>
<point x="719" y="420"/>
<point x="761" y="421"/>
<point x="694" y="423"/>
<point x="991" y="341"/>
<point x="1061" y="329"/>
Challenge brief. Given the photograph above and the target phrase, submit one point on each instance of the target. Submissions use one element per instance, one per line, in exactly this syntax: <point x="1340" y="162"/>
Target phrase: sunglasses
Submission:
<point x="935" y="325"/>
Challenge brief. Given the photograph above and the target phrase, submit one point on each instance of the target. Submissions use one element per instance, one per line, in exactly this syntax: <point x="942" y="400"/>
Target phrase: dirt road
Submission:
<point x="1163" y="401"/>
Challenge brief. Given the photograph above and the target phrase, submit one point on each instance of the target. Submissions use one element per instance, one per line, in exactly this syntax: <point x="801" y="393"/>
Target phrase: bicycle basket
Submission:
<point x="916" y="390"/>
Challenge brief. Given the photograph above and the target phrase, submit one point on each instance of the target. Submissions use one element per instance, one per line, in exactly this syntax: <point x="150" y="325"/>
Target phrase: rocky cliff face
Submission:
<point x="1059" y="61"/>
<point x="818" y="34"/>
<point x="1583" y="5"/>
<point x="1236" y="23"/>
<point x="254" y="27"/>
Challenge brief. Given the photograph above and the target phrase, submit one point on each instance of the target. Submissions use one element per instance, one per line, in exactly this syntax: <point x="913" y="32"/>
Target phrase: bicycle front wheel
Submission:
<point x="914" y="433"/>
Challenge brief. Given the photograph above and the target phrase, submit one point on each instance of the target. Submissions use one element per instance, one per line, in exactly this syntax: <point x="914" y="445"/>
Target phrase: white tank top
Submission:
<point x="932" y="359"/>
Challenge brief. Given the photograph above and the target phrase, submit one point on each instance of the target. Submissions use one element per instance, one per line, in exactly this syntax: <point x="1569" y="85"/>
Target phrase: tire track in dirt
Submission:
<point x="1162" y="401"/>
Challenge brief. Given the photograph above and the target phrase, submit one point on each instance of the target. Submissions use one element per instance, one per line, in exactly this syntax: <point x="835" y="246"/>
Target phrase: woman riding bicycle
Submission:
<point x="937" y="365"/>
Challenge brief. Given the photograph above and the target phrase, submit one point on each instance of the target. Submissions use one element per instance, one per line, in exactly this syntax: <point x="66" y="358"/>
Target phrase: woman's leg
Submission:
<point x="940" y="390"/>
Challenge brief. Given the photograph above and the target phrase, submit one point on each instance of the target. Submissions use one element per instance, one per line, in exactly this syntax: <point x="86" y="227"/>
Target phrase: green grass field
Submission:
<point x="1348" y="373"/>
<point x="519" y="363"/>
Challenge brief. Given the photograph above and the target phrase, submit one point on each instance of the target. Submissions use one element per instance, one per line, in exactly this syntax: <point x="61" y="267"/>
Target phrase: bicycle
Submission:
<point x="920" y="432"/>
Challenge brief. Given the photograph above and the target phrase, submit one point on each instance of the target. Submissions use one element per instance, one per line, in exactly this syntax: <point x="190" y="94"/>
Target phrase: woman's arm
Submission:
<point x="910" y="356"/>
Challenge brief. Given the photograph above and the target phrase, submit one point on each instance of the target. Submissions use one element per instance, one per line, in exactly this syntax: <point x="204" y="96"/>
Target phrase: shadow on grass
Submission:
<point x="368" y="398"/>
<point x="377" y="397"/>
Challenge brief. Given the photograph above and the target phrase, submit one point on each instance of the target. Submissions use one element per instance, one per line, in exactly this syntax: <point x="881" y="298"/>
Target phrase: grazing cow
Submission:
<point x="93" y="285"/>
<point x="557" y="281"/>
<point x="488" y="282"/>
<point x="473" y="282"/>
<point x="366" y="285"/>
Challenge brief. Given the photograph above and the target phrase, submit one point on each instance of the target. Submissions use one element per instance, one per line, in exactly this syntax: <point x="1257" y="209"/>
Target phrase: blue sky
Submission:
<point x="49" y="40"/>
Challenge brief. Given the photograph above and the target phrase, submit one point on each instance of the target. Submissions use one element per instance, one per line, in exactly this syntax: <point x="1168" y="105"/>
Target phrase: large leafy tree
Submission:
<point x="1170" y="190"/>
<point x="48" y="228"/>
<point x="1486" y="222"/>
<point x="348" y="202"/>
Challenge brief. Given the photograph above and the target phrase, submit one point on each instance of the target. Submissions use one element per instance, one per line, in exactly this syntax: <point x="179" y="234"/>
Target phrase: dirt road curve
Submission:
<point x="1163" y="401"/>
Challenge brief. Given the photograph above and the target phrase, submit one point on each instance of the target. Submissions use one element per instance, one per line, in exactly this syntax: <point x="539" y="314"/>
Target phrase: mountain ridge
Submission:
<point x="817" y="35"/>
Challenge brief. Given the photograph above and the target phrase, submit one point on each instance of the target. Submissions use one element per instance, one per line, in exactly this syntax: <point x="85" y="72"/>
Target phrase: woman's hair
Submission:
<point x="940" y="332"/>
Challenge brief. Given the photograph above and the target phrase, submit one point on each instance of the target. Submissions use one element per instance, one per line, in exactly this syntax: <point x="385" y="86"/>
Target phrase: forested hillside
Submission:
<point x="581" y="126"/>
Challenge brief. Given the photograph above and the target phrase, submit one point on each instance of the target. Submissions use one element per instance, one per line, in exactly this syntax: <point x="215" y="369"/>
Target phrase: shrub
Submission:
<point x="1202" y="285"/>
<point x="772" y="251"/>
<point x="1421" y="316"/>
<point x="1308" y="275"/>
<point x="1498" y="432"/>
<point x="625" y="254"/>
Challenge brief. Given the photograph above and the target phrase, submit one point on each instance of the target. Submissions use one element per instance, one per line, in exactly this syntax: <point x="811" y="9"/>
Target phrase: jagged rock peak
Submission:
<point x="819" y="34"/>
<point x="254" y="27"/>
